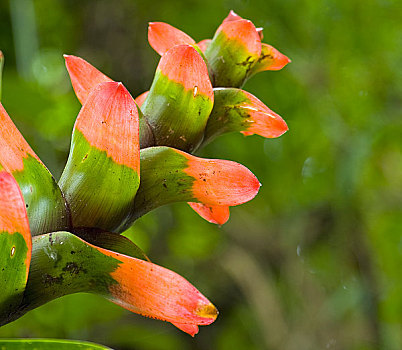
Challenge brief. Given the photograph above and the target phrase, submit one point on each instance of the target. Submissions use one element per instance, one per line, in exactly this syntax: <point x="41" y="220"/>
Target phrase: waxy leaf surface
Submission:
<point x="45" y="205"/>
<point x="180" y="99"/>
<point x="63" y="264"/>
<point x="169" y="175"/>
<point x="102" y="173"/>
<point x="238" y="110"/>
<point x="234" y="49"/>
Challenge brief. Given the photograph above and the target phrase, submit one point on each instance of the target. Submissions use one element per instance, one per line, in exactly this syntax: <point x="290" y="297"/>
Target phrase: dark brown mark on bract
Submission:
<point x="73" y="268"/>
<point x="49" y="280"/>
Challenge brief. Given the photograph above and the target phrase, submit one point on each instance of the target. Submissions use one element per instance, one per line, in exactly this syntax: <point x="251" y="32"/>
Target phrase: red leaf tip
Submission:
<point x="263" y="121"/>
<point x="84" y="77"/>
<point x="218" y="215"/>
<point x="163" y="36"/>
<point x="220" y="182"/>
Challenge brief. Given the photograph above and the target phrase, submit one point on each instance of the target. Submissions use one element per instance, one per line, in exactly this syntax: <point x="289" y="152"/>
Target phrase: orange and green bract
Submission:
<point x="101" y="176"/>
<point x="169" y="175"/>
<point x="15" y="244"/>
<point x="45" y="205"/>
<point x="63" y="263"/>
<point x="238" y="110"/>
<point x="85" y="77"/>
<point x="180" y="99"/>
<point x="270" y="59"/>
<point x="235" y="48"/>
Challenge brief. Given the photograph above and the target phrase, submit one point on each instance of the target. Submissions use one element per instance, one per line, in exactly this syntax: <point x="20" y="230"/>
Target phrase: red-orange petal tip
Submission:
<point x="84" y="77"/>
<point x="163" y="36"/>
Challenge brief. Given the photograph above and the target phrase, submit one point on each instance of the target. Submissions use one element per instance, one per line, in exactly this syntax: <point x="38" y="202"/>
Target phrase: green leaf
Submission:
<point x="48" y="344"/>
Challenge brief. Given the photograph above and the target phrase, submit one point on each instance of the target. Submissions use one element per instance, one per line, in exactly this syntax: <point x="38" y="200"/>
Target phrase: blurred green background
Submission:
<point x="315" y="260"/>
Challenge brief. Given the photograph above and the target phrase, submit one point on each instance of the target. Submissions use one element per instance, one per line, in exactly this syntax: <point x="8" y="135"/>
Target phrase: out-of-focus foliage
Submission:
<point x="315" y="260"/>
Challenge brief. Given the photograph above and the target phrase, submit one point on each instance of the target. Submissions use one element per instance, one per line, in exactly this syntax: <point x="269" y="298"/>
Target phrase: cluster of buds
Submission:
<point x="127" y="157"/>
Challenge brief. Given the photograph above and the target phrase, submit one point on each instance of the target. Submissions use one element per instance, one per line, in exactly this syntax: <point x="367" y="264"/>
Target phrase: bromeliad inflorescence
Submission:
<point x="127" y="157"/>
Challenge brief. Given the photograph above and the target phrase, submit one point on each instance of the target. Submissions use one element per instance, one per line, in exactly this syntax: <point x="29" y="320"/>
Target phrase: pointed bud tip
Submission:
<point x="69" y="57"/>
<point x="232" y="16"/>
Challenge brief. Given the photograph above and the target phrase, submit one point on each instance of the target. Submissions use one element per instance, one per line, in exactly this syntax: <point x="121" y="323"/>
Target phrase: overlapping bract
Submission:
<point x="63" y="263"/>
<point x="46" y="207"/>
<point x="233" y="55"/>
<point x="128" y="157"/>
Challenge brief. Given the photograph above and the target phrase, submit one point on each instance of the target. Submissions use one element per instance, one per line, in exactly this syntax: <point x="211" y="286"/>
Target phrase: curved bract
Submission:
<point x="15" y="244"/>
<point x="85" y="77"/>
<point x="270" y="59"/>
<point x="169" y="175"/>
<point x="100" y="193"/>
<point x="162" y="37"/>
<point x="180" y="99"/>
<point x="45" y="205"/>
<point x="235" y="47"/>
<point x="101" y="177"/>
<point x="64" y="264"/>
<point x="238" y="110"/>
<point x="233" y="55"/>
<point x="215" y="214"/>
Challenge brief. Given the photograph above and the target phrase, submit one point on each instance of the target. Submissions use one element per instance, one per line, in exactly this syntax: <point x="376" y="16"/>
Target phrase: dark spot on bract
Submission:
<point x="73" y="268"/>
<point x="49" y="280"/>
